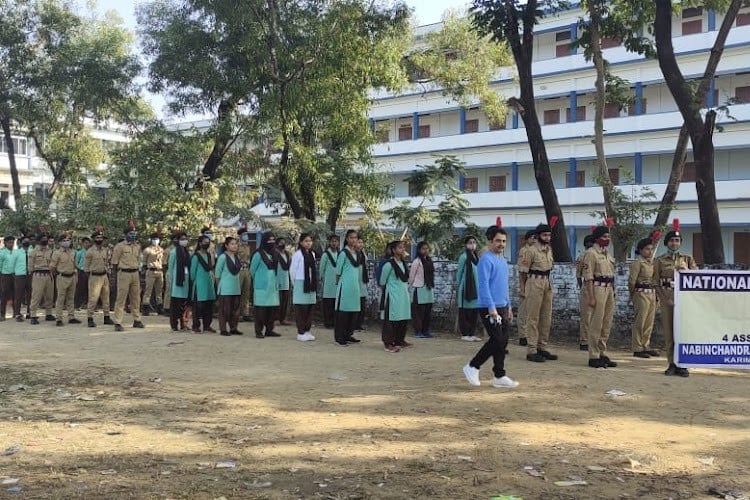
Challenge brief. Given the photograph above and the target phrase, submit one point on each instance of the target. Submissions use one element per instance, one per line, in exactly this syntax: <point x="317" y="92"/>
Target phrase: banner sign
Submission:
<point x="712" y="319"/>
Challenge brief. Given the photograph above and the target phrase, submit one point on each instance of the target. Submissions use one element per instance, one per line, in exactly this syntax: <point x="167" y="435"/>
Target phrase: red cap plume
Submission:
<point x="553" y="221"/>
<point x="609" y="222"/>
<point x="132" y="225"/>
<point x="592" y="228"/>
<point x="655" y="236"/>
<point x="499" y="222"/>
<point x="676" y="224"/>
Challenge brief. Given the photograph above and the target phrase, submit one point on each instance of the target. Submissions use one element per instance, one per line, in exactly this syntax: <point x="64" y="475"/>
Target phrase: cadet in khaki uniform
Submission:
<point x="643" y="295"/>
<point x="153" y="258"/>
<point x="63" y="266"/>
<point x="42" y="283"/>
<point x="125" y="258"/>
<point x="246" y="285"/>
<point x="584" y="311"/>
<point x="599" y="277"/>
<point x="666" y="266"/>
<point x="536" y="290"/>
<point x="96" y="265"/>
<point x="530" y="241"/>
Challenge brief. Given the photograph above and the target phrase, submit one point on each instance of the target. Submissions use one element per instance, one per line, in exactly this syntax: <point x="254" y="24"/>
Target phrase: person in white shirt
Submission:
<point x="304" y="274"/>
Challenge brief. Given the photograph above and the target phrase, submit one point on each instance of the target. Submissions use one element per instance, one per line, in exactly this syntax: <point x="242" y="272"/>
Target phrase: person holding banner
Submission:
<point x="641" y="287"/>
<point x="666" y="265"/>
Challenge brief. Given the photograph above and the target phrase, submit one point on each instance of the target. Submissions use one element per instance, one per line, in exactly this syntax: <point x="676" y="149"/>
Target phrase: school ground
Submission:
<point x="92" y="414"/>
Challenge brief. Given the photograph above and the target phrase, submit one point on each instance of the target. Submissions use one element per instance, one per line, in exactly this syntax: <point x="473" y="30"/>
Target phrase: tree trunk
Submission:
<point x="703" y="156"/>
<point x="221" y="141"/>
<point x="333" y="216"/>
<point x="5" y="121"/>
<point x="285" y="181"/>
<point x="675" y="178"/>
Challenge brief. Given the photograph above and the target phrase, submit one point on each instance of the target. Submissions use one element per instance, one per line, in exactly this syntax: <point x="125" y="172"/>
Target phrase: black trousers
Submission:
<point x="344" y="325"/>
<point x="496" y="344"/>
<point x="203" y="311"/>
<point x="264" y="317"/>
<point x="329" y="312"/>
<point x="467" y="321"/>
<point x="283" y="305"/>
<point x="22" y="294"/>
<point x="176" y="312"/>
<point x="393" y="332"/>
<point x="420" y="316"/>
<point x="7" y="289"/>
<point x="82" y="290"/>
<point x="303" y="317"/>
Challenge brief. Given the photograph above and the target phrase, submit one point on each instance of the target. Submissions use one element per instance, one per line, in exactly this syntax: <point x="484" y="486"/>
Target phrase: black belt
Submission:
<point x="42" y="271"/>
<point x="67" y="275"/>
<point x="667" y="282"/>
<point x="153" y="269"/>
<point x="644" y="285"/>
<point x="128" y="270"/>
<point x="604" y="279"/>
<point x="98" y="274"/>
<point x="538" y="273"/>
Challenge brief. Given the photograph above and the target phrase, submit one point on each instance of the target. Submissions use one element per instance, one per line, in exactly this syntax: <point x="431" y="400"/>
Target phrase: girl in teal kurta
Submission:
<point x="203" y="294"/>
<point x="228" y="268"/>
<point x="179" y="274"/>
<point x="328" y="275"/>
<point x="282" y="275"/>
<point x="395" y="301"/>
<point x="348" y="271"/>
<point x="263" y="267"/>
<point x="468" y="286"/>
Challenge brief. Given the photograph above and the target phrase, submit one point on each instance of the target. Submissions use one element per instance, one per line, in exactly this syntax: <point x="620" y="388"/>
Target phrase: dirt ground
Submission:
<point x="155" y="414"/>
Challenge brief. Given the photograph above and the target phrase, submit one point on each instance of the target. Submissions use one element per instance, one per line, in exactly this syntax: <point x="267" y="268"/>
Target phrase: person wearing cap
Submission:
<point x="63" y="268"/>
<point x="328" y="276"/>
<point x="82" y="282"/>
<point x="264" y="265"/>
<point x="6" y="274"/>
<point x="282" y="275"/>
<point x="599" y="279"/>
<point x="153" y="259"/>
<point x="643" y="295"/>
<point x="42" y="281"/>
<point x="125" y="259"/>
<point x="21" y="280"/>
<point x="529" y="242"/>
<point x="467" y="280"/>
<point x="96" y="267"/>
<point x="666" y="266"/>
<point x="534" y="273"/>
<point x="584" y="311"/>
<point x="244" y="252"/>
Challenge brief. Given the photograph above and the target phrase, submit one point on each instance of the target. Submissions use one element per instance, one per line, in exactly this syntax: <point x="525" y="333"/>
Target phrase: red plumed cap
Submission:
<point x="499" y="222"/>
<point x="676" y="224"/>
<point x="553" y="221"/>
<point x="655" y="236"/>
<point x="610" y="222"/>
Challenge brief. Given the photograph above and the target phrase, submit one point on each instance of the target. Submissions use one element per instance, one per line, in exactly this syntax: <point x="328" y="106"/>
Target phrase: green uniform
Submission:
<point x="348" y="289"/>
<point x="202" y="280"/>
<point x="178" y="292"/>
<point x="283" y="274"/>
<point x="265" y="282"/>
<point x="461" y="281"/>
<point x="396" y="293"/>
<point x="328" y="274"/>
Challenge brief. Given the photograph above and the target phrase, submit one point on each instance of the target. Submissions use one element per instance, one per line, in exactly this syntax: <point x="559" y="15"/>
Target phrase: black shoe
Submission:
<point x="225" y="334"/>
<point x="19" y="319"/>
<point x="597" y="363"/>
<point x="546" y="355"/>
<point x="653" y="352"/>
<point x="28" y="316"/>
<point x="91" y="323"/>
<point x="34" y="321"/>
<point x="683" y="372"/>
<point x="259" y="336"/>
<point x="247" y="319"/>
<point x="641" y="354"/>
<point x="138" y="324"/>
<point x="74" y="321"/>
<point x="119" y="328"/>
<point x="536" y="358"/>
<point x="235" y="332"/>
<point x="523" y="341"/>
<point x="583" y="347"/>
<point x="352" y="340"/>
<point x="59" y="323"/>
<point x="671" y="369"/>
<point x="108" y="321"/>
<point x="146" y="311"/>
<point x="50" y="317"/>
<point x="342" y="343"/>
<point x="608" y="363"/>
<point x="273" y="334"/>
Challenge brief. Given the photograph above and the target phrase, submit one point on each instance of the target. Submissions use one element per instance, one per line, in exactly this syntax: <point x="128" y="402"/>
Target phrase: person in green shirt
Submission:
<point x="6" y="274"/>
<point x="263" y="268"/>
<point x="348" y="271"/>
<point x="228" y="267"/>
<point x="396" y="310"/>
<point x="21" y="280"/>
<point x="203" y="292"/>
<point x="328" y="276"/>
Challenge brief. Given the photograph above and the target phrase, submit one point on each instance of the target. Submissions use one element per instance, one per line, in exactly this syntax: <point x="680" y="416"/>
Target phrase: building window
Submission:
<point x="404" y="133"/>
<point x="19" y="146"/>
<point x="497" y="183"/>
<point x="471" y="184"/>
<point x="608" y="43"/>
<point x="631" y="108"/>
<point x="551" y="116"/>
<point x="742" y="95"/>
<point x="423" y="131"/>
<point x="743" y="19"/>
<point x="580" y="179"/>
<point x="580" y="114"/>
<point x="688" y="172"/>
<point x="412" y="189"/>
<point x="614" y="176"/>
<point x="692" y="21"/>
<point x="562" y="43"/>
<point x="4" y="200"/>
<point x="471" y="126"/>
<point x="611" y="110"/>
<point x="381" y="135"/>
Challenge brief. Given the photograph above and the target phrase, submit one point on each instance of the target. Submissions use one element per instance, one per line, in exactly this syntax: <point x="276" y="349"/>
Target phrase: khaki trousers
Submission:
<point x="522" y="318"/>
<point x="98" y="289"/>
<point x="154" y="284"/>
<point x="538" y="312"/>
<point x="246" y="292"/>
<point x="128" y="286"/>
<point x="167" y="292"/>
<point x="42" y="290"/>
<point x="601" y="320"/>
<point x="667" y="328"/>
<point x="643" y="324"/>
<point x="585" y="313"/>
<point x="66" y="295"/>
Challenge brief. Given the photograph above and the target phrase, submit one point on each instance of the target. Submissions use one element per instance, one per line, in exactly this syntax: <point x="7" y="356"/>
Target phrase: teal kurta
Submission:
<point x="328" y="274"/>
<point x="178" y="292"/>
<point x="396" y="294"/>
<point x="80" y="258"/>
<point x="20" y="261"/>
<point x="203" y="281"/>
<point x="461" y="281"/>
<point x="281" y="274"/>
<point x="348" y="290"/>
<point x="6" y="261"/>
<point x="265" y="282"/>
<point x="229" y="284"/>
<point x="300" y="297"/>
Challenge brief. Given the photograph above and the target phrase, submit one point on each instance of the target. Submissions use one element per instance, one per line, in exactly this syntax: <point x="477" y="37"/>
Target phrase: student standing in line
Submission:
<point x="643" y="295"/>
<point x="304" y="275"/>
<point x="328" y="275"/>
<point x="203" y="293"/>
<point x="282" y="274"/>
<point x="348" y="273"/>
<point x="495" y="310"/>
<point x="6" y="274"/>
<point x="263" y="267"/>
<point x="228" y="267"/>
<point x="82" y="285"/>
<point x="468" y="286"/>
<point x="21" y="279"/>
<point x="364" y="279"/>
<point x="584" y="310"/>
<point x="422" y="280"/>
<point x="530" y="240"/>
<point x="179" y="270"/>
<point x="395" y="299"/>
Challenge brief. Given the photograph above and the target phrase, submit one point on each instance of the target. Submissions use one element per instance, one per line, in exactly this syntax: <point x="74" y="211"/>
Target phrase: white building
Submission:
<point x="414" y="127"/>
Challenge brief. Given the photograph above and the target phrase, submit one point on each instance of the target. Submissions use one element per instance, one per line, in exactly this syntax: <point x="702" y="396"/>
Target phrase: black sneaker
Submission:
<point x="59" y="322"/>
<point x="653" y="352"/>
<point x="683" y="372"/>
<point x="259" y="336"/>
<point x="235" y="332"/>
<point x="273" y="334"/>
<point x="342" y="343"/>
<point x="91" y="323"/>
<point x="225" y="334"/>
<point x="108" y="321"/>
<point x="34" y="321"/>
<point x="247" y="319"/>
<point x="597" y="363"/>
<point x="546" y="355"/>
<point x="608" y="363"/>
<point x="641" y="354"/>
<point x="146" y="311"/>
<point x="74" y="321"/>
<point x="19" y="319"/>
<point x="50" y="317"/>
<point x="535" y="357"/>
<point x="583" y="347"/>
<point x="138" y="324"/>
<point x="523" y="341"/>
<point x="352" y="340"/>
<point x="119" y="328"/>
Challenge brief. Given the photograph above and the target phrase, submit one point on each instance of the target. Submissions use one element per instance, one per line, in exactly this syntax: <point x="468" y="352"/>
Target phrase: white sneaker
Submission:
<point x="305" y="337"/>
<point x="472" y="375"/>
<point x="309" y="334"/>
<point x="467" y="338"/>
<point x="474" y="338"/>
<point x="504" y="382"/>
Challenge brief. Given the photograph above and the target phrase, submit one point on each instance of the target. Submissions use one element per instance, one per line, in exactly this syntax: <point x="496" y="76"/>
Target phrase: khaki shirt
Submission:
<point x="153" y="257"/>
<point x="641" y="272"/>
<point x="63" y="261"/>
<point x="244" y="253"/>
<point x="537" y="257"/>
<point x="125" y="255"/>
<point x="97" y="260"/>
<point x="598" y="262"/>
<point x="666" y="265"/>
<point x="39" y="259"/>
